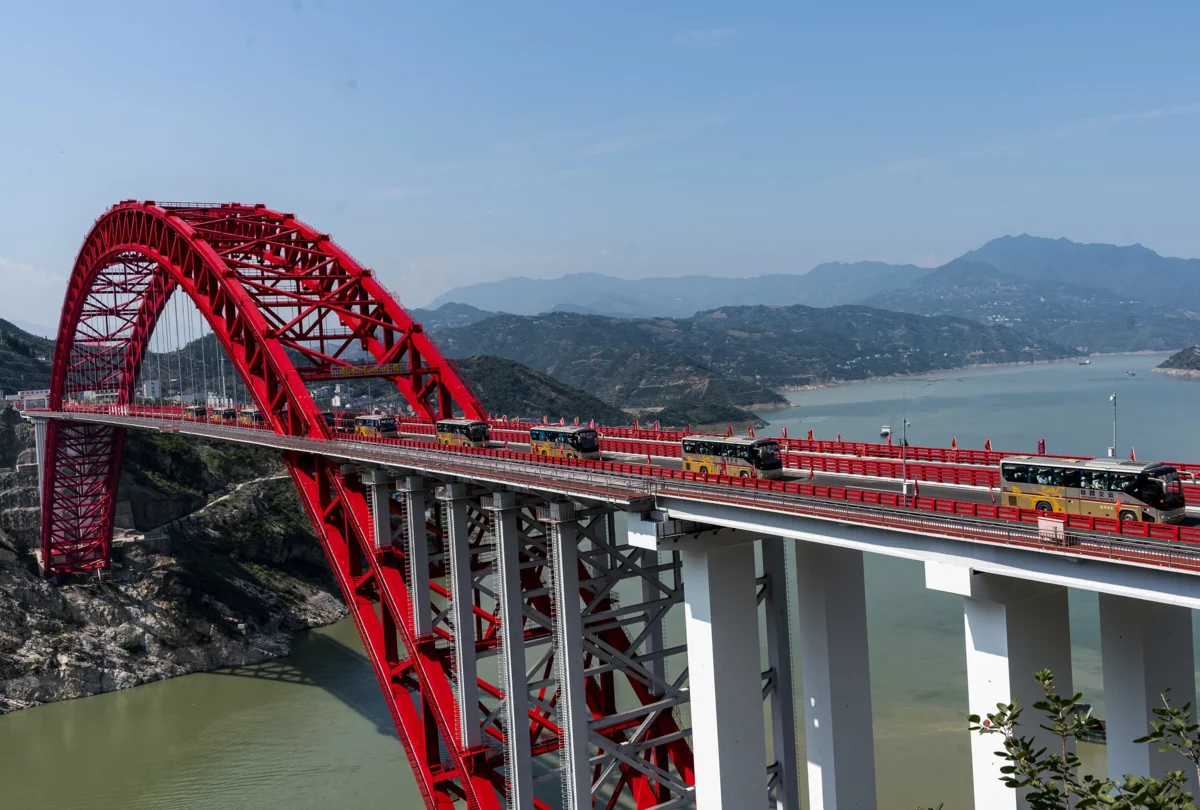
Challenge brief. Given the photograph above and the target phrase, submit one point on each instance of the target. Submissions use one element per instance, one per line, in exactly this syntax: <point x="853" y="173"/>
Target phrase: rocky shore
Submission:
<point x="229" y="579"/>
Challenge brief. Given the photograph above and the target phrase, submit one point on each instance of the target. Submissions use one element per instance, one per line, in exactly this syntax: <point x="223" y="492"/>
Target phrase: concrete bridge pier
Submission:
<point x="466" y="670"/>
<point x="1013" y="628"/>
<point x="1145" y="649"/>
<point x="836" y="675"/>
<point x="721" y="616"/>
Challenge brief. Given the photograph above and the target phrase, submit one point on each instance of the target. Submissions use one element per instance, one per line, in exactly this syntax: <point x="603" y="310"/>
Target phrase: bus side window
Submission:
<point x="1044" y="475"/>
<point x="1016" y="473"/>
<point x="1125" y="482"/>
<point x="1071" y="478"/>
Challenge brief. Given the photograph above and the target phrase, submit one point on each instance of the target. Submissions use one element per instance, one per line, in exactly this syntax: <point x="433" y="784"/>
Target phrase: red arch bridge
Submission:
<point x="516" y="610"/>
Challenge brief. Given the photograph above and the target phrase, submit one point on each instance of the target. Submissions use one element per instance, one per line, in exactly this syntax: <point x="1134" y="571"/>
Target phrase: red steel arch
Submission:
<point x="287" y="305"/>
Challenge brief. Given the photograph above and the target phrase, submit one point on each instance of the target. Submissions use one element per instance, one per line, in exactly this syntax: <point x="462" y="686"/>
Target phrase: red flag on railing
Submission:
<point x="839" y="438"/>
<point x="591" y="423"/>
<point x="1041" y="447"/>
<point x="687" y="428"/>
<point x="729" y="431"/>
<point x="1131" y="455"/>
<point x="635" y="427"/>
<point x="656" y="424"/>
<point x="724" y="467"/>
<point x="916" y="492"/>
<point x="576" y="421"/>
<point x="649" y="461"/>
<point x="562" y="421"/>
<point x="783" y="432"/>
<point x="750" y="431"/>
<point x="988" y="445"/>
<point x="889" y="438"/>
<point x="545" y="419"/>
<point x="954" y="443"/>
<point x="810" y="434"/>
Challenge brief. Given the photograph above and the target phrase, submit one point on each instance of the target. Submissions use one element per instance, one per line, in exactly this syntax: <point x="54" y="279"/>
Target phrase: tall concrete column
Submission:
<point x="466" y="673"/>
<point x="1013" y="628"/>
<point x="380" y="494"/>
<point x="39" y="443"/>
<point x="417" y="554"/>
<point x="779" y="568"/>
<point x="1145" y="648"/>
<point x="721" y="617"/>
<point x="517" y="750"/>
<point x="836" y="674"/>
<point x="573" y="712"/>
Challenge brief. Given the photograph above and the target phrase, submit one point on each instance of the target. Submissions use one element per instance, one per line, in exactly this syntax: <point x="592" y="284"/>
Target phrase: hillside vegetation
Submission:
<point x="1091" y="319"/>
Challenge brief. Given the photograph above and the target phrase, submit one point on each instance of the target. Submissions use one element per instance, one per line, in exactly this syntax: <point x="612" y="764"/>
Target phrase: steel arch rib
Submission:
<point x="177" y="244"/>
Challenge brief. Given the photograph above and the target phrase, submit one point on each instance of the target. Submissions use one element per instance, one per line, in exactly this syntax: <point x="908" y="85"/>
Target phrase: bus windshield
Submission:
<point x="586" y="441"/>
<point x="478" y="432"/>
<point x="1164" y="489"/>
<point x="766" y="456"/>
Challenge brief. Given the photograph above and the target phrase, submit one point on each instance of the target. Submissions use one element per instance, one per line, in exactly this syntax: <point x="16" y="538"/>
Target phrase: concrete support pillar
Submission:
<point x="837" y="677"/>
<point x="1145" y="648"/>
<point x="573" y="712"/>
<point x="1013" y="628"/>
<point x="654" y="639"/>
<point x="517" y="754"/>
<point x="417" y="554"/>
<point x="721" y="617"/>
<point x="466" y="673"/>
<point x="779" y="569"/>
<point x="39" y="443"/>
<point x="380" y="494"/>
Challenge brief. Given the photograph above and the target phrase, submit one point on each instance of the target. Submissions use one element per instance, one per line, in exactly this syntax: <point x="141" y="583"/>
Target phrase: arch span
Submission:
<point x="289" y="307"/>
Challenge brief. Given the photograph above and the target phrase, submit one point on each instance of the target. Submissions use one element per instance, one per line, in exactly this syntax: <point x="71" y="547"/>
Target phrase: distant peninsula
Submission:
<point x="1185" y="363"/>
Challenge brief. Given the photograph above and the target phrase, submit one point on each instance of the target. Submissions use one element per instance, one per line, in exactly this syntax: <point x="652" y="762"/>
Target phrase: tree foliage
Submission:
<point x="1050" y="774"/>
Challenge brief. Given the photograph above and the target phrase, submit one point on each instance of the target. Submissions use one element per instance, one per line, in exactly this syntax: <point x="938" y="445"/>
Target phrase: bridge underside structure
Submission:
<point x="455" y="588"/>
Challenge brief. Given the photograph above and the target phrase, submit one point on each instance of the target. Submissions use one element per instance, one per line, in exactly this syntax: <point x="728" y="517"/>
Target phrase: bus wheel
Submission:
<point x="704" y="470"/>
<point x="1128" y="516"/>
<point x="745" y="474"/>
<point x="1043" y="506"/>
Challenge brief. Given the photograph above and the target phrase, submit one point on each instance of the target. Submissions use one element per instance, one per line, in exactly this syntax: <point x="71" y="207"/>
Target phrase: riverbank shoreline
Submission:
<point x="916" y="375"/>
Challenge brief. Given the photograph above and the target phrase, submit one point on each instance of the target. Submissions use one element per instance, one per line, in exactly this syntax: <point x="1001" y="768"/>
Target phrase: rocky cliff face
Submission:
<point x="229" y="579"/>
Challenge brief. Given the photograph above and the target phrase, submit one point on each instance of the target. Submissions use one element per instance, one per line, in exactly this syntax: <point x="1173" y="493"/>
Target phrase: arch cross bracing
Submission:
<point x="288" y="306"/>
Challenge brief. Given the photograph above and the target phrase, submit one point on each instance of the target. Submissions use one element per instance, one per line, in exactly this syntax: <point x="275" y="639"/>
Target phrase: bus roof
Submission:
<point x="365" y="416"/>
<point x="1109" y="464"/>
<point x="461" y="422"/>
<point x="564" y="428"/>
<point x="737" y="440"/>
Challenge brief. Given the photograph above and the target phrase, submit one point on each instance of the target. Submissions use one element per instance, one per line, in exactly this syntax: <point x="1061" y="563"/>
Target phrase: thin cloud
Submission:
<point x="1033" y="140"/>
<point x="400" y="193"/>
<point x="625" y="143"/>
<point x="704" y="38"/>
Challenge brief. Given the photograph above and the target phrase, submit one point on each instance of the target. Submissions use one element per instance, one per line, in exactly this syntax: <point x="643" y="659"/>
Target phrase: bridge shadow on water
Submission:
<point x="321" y="661"/>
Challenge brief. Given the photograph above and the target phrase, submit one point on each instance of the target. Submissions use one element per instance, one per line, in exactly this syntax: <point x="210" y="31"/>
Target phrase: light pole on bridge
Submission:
<point x="1112" y="451"/>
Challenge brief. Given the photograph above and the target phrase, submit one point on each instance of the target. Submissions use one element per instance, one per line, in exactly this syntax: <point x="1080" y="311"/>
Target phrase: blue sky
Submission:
<point x="447" y="143"/>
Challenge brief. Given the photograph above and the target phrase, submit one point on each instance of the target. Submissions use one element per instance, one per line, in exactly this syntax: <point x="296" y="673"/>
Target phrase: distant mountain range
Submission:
<point x="1087" y="318"/>
<point x="596" y="294"/>
<point x="1104" y="298"/>
<point x="735" y="357"/>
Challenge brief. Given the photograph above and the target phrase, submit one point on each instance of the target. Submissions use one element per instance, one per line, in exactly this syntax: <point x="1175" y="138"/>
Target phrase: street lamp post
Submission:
<point x="1112" y="451"/>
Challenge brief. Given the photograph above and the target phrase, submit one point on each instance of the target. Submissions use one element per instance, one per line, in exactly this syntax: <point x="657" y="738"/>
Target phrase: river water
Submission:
<point x="311" y="731"/>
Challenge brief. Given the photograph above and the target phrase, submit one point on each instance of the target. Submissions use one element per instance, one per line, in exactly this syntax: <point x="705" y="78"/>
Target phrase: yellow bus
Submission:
<point x="462" y="433"/>
<point x="251" y="417"/>
<point x="375" y="427"/>
<point x="746" y="457"/>
<point x="226" y="416"/>
<point x="195" y="413"/>
<point x="565" y="441"/>
<point x="1101" y="487"/>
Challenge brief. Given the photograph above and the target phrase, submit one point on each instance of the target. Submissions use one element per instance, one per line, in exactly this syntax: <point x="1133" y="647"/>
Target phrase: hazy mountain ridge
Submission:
<point x="1062" y="312"/>
<point x="827" y="284"/>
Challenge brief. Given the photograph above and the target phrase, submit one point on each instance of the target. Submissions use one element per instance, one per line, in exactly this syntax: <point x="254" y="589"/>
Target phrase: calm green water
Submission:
<point x="311" y="731"/>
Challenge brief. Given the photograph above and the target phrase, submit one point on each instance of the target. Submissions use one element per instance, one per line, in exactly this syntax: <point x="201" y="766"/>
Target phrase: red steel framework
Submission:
<point x="288" y="305"/>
